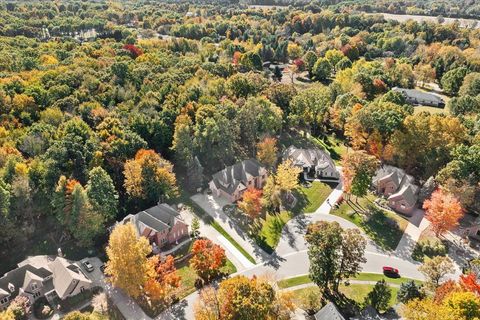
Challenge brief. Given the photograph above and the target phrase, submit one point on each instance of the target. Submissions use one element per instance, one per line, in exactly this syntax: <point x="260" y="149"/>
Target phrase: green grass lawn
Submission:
<point x="296" y="281"/>
<point x="271" y="229"/>
<point x="315" y="195"/>
<point x="380" y="227"/>
<point x="356" y="292"/>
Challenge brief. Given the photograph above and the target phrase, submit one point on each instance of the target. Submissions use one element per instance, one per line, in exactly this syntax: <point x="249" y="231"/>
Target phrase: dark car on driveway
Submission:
<point x="391" y="272"/>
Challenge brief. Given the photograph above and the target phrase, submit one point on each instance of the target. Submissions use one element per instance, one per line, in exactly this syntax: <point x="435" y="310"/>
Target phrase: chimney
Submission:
<point x="59" y="252"/>
<point x="11" y="287"/>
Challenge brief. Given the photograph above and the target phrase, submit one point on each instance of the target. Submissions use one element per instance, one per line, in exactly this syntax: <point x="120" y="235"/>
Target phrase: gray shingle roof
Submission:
<point x="329" y="312"/>
<point x="17" y="278"/>
<point x="158" y="218"/>
<point x="231" y="177"/>
<point x="309" y="157"/>
<point x="64" y="275"/>
<point x="419" y="96"/>
<point x="406" y="187"/>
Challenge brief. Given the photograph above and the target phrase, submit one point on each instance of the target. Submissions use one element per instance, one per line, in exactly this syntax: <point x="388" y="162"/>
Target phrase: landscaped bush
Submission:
<point x="429" y="248"/>
<point x="42" y="309"/>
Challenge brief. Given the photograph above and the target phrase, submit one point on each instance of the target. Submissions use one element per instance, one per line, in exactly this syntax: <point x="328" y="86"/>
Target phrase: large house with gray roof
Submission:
<point x="43" y="276"/>
<point x="233" y="181"/>
<point x="329" y="312"/>
<point x="161" y="225"/>
<point x="399" y="188"/>
<point x="314" y="162"/>
<point x="417" y="97"/>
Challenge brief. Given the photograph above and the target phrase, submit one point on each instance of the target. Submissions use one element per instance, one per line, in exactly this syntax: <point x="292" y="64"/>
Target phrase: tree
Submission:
<point x="470" y="85"/>
<point x="424" y="73"/>
<point x="267" y="151"/>
<point x="286" y="176"/>
<point x="310" y="300"/>
<point x="452" y="80"/>
<point x="162" y="279"/>
<point x="334" y="254"/>
<point x="443" y="211"/>
<point x="426" y="309"/>
<point x="243" y="298"/>
<point x="436" y="269"/>
<point x="464" y="105"/>
<point x="322" y="70"/>
<point x="470" y="282"/>
<point x="102" y="194"/>
<point x="379" y="297"/>
<point x="309" y="107"/>
<point x="183" y="141"/>
<point x="358" y="169"/>
<point x="20" y="307"/>
<point x="127" y="262"/>
<point x="281" y="95"/>
<point x="207" y="259"/>
<point x="465" y="304"/>
<point x="195" y="226"/>
<point x="251" y="202"/>
<point x="148" y="177"/>
<point x="409" y="291"/>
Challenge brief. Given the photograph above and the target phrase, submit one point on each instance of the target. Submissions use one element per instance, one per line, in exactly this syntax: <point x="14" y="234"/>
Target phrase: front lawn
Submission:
<point x="315" y="195"/>
<point x="271" y="230"/>
<point x="383" y="227"/>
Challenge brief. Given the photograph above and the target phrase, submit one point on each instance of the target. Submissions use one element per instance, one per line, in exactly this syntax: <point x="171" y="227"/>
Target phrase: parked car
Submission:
<point x="391" y="272"/>
<point x="88" y="266"/>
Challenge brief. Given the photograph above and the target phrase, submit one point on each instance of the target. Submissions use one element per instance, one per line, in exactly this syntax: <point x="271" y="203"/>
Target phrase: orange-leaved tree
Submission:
<point x="470" y="282"/>
<point x="207" y="258"/>
<point x="443" y="210"/>
<point x="251" y="202"/>
<point x="163" y="279"/>
<point x="267" y="151"/>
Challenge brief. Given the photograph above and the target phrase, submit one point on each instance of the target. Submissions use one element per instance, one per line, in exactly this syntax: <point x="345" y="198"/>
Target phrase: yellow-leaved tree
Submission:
<point x="127" y="259"/>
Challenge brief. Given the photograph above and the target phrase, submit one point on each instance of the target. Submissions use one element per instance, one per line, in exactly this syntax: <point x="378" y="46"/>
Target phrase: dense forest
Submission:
<point x="99" y="100"/>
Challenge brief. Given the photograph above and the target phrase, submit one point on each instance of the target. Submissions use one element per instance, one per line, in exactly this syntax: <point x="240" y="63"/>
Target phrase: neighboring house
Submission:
<point x="314" y="162"/>
<point x="161" y="225"/>
<point x="43" y="276"/>
<point x="399" y="188"/>
<point x="232" y="181"/>
<point x="329" y="312"/>
<point x="417" y="97"/>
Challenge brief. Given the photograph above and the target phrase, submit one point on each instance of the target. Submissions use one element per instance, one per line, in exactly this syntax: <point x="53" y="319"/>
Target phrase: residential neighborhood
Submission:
<point x="252" y="160"/>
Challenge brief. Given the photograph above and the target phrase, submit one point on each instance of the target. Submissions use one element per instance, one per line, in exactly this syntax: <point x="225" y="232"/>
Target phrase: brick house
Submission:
<point x="161" y="225"/>
<point x="233" y="181"/>
<point x="398" y="187"/>
<point x="314" y="162"/>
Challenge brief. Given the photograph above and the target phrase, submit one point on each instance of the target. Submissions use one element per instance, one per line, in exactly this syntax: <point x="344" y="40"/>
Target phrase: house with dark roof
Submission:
<point x="314" y="162"/>
<point x="161" y="225"/>
<point x="43" y="276"/>
<point x="417" y="97"/>
<point x="233" y="181"/>
<point x="329" y="312"/>
<point x="398" y="187"/>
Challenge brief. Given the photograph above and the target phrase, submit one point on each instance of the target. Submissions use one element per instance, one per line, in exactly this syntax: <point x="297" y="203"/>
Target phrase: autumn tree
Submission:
<point x="251" y="202"/>
<point x="162" y="279"/>
<point x="443" y="211"/>
<point x="470" y="283"/>
<point x="127" y="263"/>
<point x="334" y="254"/>
<point x="286" y="176"/>
<point x="207" y="259"/>
<point x="358" y="169"/>
<point x="243" y="298"/>
<point x="148" y="177"/>
<point x="436" y="269"/>
<point x="426" y="309"/>
<point x="267" y="151"/>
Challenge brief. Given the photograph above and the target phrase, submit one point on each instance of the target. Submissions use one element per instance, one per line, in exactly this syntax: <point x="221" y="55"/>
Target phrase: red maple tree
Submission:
<point x="207" y="258"/>
<point x="443" y="210"/>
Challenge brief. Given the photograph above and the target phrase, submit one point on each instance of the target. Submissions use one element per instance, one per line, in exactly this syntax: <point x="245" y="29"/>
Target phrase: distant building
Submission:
<point x="329" y="312"/>
<point x="417" y="97"/>
<point x="43" y="276"/>
<point x="399" y="188"/>
<point x="314" y="162"/>
<point x="233" y="181"/>
<point x="161" y="225"/>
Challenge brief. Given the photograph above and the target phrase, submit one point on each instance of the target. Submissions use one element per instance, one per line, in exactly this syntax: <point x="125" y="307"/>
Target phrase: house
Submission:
<point x="329" y="312"/>
<point x="161" y="225"/>
<point x="43" y="276"/>
<point x="314" y="162"/>
<point x="417" y="97"/>
<point x="232" y="181"/>
<point x="399" y="188"/>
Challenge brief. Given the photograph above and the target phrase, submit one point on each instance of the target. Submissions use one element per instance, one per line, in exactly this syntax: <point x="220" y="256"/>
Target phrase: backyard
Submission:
<point x="383" y="227"/>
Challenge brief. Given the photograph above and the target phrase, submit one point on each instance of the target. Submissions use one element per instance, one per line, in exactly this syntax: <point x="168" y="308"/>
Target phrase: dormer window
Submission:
<point x="11" y="287"/>
<point x="34" y="286"/>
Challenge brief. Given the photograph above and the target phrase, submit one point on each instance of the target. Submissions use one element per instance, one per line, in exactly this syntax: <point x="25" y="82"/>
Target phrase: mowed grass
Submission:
<point x="315" y="195"/>
<point x="296" y="281"/>
<point x="385" y="228"/>
<point x="271" y="228"/>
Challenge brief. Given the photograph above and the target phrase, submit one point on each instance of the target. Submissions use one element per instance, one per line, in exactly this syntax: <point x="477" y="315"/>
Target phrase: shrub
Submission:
<point x="428" y="248"/>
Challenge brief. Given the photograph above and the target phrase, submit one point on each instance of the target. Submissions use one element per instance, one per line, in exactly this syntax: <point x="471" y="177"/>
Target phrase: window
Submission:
<point x="36" y="295"/>
<point x="34" y="286"/>
<point x="4" y="300"/>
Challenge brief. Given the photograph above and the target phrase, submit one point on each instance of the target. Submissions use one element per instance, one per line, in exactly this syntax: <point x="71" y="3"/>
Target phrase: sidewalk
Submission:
<point x="214" y="207"/>
<point x="412" y="233"/>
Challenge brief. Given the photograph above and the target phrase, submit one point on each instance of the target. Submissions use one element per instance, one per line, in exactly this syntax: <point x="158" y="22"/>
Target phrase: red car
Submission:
<point x="390" y="271"/>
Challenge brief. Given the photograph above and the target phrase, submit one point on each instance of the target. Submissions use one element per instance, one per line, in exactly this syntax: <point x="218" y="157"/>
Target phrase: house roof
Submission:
<point x="419" y="95"/>
<point x="405" y="183"/>
<point x="309" y="157"/>
<point x="158" y="218"/>
<point x="238" y="175"/>
<point x="329" y="312"/>
<point x="66" y="276"/>
<point x="17" y="276"/>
